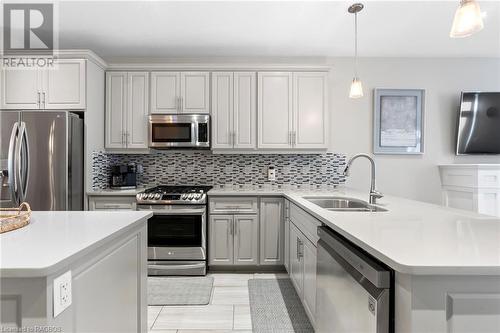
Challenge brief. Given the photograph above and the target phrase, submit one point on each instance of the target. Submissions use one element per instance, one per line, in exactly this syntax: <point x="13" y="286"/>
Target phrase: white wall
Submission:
<point x="415" y="177"/>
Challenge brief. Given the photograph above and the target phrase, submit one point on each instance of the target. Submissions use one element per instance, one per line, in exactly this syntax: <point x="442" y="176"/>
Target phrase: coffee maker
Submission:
<point x="123" y="177"/>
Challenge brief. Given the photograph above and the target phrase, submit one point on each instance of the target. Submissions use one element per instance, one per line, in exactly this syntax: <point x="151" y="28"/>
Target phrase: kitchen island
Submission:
<point x="446" y="261"/>
<point x="76" y="272"/>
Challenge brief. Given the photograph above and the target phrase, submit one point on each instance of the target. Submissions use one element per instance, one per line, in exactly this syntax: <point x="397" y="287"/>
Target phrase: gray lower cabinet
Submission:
<point x="302" y="269"/>
<point x="272" y="230"/>
<point x="112" y="203"/>
<point x="221" y="250"/>
<point x="287" y="236"/>
<point x="296" y="268"/>
<point x="233" y="240"/>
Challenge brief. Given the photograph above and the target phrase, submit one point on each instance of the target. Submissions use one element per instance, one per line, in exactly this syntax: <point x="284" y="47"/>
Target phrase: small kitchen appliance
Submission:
<point x="123" y="177"/>
<point x="184" y="131"/>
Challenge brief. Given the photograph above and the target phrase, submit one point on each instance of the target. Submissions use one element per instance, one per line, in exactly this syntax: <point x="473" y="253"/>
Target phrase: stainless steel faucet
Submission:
<point x="374" y="194"/>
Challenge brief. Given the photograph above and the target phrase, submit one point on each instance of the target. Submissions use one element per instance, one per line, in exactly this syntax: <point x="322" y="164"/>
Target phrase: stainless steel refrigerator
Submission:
<point x="41" y="159"/>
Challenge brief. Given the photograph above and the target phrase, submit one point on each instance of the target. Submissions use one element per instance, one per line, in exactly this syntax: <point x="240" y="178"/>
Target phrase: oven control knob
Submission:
<point x="184" y="197"/>
<point x="157" y="196"/>
<point x="151" y="196"/>
<point x="197" y="196"/>
<point x="190" y="196"/>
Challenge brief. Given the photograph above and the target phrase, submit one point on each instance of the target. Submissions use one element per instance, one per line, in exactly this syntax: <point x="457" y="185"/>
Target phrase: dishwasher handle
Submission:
<point x="358" y="261"/>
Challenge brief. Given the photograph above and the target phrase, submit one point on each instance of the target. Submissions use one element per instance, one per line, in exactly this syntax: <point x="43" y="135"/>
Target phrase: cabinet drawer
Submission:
<point x="239" y="205"/>
<point x="112" y="203"/>
<point x="306" y="223"/>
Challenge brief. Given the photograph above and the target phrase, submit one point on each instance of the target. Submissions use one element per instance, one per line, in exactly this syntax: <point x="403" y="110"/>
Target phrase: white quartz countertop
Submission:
<point x="115" y="192"/>
<point x="412" y="237"/>
<point x="54" y="239"/>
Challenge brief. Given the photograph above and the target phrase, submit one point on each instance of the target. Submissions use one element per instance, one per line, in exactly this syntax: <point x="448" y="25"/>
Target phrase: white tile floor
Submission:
<point x="228" y="311"/>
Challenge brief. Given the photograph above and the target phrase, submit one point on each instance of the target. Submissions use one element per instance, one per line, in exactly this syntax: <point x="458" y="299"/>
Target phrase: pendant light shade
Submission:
<point x="356" y="88"/>
<point x="356" y="85"/>
<point x="467" y="19"/>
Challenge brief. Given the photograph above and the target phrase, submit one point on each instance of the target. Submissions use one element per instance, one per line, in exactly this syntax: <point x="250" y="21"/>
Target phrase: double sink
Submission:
<point x="342" y="204"/>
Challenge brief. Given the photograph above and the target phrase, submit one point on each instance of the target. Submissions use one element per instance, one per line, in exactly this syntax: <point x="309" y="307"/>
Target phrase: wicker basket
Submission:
<point x="14" y="218"/>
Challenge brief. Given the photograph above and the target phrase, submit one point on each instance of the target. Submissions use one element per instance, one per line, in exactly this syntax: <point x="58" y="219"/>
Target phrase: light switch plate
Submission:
<point x="62" y="293"/>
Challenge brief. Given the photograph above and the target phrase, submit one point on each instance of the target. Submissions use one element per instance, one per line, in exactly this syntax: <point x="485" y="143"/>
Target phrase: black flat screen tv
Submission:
<point x="479" y="123"/>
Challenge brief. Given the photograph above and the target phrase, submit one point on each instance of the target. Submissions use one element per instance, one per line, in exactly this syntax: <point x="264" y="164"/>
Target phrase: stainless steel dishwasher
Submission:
<point x="353" y="289"/>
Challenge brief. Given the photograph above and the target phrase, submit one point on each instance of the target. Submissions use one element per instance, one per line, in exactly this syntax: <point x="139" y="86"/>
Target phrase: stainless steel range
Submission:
<point x="177" y="231"/>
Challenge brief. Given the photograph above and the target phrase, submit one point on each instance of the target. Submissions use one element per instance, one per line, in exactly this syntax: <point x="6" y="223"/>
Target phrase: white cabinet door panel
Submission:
<point x="246" y="239"/>
<point x="195" y="89"/>
<point x="310" y="110"/>
<point x="222" y="110"/>
<point x="274" y="109"/>
<point x="165" y="92"/>
<point x="221" y="247"/>
<point x="245" y="110"/>
<point x="309" y="256"/>
<point x="271" y="231"/>
<point x="137" y="111"/>
<point x="64" y="85"/>
<point x="296" y="261"/>
<point x="21" y="88"/>
<point x="116" y="106"/>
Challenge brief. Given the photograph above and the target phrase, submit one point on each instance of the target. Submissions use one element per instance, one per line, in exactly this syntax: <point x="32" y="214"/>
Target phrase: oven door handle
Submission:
<point x="176" y="211"/>
<point x="187" y="266"/>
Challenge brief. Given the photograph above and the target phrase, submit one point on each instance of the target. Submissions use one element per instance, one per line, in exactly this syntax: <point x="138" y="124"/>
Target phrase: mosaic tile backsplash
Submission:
<point x="205" y="168"/>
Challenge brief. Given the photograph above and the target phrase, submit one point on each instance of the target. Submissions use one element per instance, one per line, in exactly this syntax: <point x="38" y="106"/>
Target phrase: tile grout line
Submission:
<point x="156" y="318"/>
<point x="234" y="309"/>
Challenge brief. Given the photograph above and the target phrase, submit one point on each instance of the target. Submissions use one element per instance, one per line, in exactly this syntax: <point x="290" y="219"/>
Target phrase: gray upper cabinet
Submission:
<point x="180" y="92"/>
<point x="234" y="112"/>
<point x="292" y="110"/>
<point x="271" y="231"/>
<point x="274" y="110"/>
<point x="127" y="110"/>
<point x="62" y="87"/>
<point x="310" y="116"/>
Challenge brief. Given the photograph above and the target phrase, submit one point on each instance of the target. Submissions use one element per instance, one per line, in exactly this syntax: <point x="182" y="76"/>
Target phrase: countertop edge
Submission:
<point x="46" y="271"/>
<point x="397" y="266"/>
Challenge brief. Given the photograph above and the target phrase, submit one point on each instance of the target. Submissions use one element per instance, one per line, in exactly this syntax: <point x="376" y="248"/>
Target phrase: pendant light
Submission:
<point x="467" y="19"/>
<point x="356" y="85"/>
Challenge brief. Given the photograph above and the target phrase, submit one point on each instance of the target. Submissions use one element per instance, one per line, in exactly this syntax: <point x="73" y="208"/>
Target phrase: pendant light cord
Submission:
<point x="356" y="44"/>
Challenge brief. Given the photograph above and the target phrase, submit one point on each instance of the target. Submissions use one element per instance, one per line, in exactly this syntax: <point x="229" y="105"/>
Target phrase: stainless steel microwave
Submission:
<point x="179" y="131"/>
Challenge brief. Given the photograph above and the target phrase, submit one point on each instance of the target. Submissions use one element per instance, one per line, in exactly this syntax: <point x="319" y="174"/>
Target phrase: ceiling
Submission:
<point x="117" y="29"/>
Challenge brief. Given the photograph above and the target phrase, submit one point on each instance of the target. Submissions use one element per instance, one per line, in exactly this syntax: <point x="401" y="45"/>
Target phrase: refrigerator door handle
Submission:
<point x="21" y="170"/>
<point x="26" y="164"/>
<point x="11" y="167"/>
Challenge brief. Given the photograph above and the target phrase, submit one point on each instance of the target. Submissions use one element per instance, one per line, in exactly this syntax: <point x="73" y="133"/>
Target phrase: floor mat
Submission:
<point x="180" y="290"/>
<point x="276" y="307"/>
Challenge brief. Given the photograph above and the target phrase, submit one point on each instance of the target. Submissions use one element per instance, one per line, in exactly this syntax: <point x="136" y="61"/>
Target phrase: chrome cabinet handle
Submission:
<point x="297" y="249"/>
<point x="234" y="138"/>
<point x="38" y="100"/>
<point x="182" y="104"/>
<point x="44" y="100"/>
<point x="294" y="138"/>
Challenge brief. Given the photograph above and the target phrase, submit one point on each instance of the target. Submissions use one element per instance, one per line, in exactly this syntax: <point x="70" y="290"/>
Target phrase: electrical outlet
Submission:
<point x="62" y="293"/>
<point x="271" y="173"/>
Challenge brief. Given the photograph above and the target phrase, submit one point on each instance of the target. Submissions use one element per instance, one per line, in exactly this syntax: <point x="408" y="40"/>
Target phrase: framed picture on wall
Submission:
<point x="398" y="121"/>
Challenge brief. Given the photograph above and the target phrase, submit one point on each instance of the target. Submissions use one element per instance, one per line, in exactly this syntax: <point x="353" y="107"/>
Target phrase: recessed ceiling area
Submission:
<point x="164" y="29"/>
